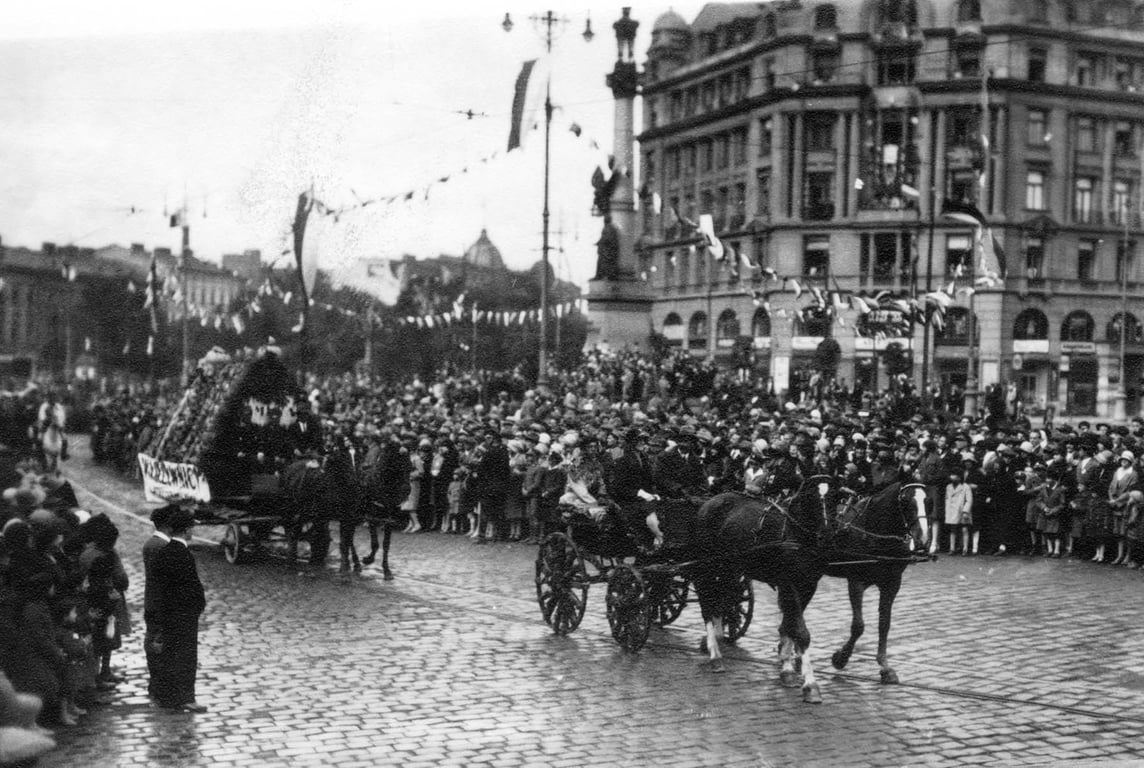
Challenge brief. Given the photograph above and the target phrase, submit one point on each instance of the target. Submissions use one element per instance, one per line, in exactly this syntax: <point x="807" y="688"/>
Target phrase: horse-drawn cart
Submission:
<point x="227" y="447"/>
<point x="643" y="587"/>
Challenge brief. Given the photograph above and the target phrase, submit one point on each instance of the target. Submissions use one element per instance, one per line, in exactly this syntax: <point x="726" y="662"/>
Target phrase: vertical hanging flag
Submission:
<point x="707" y="230"/>
<point x="151" y="299"/>
<point x="305" y="204"/>
<point x="150" y="346"/>
<point x="523" y="105"/>
<point x="178" y="218"/>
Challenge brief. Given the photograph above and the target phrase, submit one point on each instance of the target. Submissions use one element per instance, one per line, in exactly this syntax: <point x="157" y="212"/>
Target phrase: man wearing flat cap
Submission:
<point x="160" y="538"/>
<point x="177" y="602"/>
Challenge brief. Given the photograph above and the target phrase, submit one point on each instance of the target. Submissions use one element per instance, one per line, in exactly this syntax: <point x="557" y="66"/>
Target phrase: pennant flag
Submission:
<point x="86" y="343"/>
<point x="126" y="348"/>
<point x="575" y="127"/>
<point x="150" y="346"/>
<point x="307" y="268"/>
<point x="131" y="286"/>
<point x="859" y="305"/>
<point x="522" y="109"/>
<point x="993" y="256"/>
<point x="178" y="219"/>
<point x="797" y="287"/>
<point x="966" y="213"/>
<point x="287" y="296"/>
<point x="909" y="191"/>
<point x="237" y="322"/>
<point x="656" y="202"/>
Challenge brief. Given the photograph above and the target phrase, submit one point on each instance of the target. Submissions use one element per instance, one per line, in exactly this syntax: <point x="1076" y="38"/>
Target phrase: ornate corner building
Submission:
<point x="826" y="139"/>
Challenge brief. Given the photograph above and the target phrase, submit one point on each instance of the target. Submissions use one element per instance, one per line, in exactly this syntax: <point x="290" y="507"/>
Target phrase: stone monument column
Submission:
<point x="619" y="302"/>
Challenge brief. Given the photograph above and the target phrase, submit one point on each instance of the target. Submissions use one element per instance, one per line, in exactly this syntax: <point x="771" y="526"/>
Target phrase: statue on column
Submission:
<point x="626" y="36"/>
<point x="608" y="252"/>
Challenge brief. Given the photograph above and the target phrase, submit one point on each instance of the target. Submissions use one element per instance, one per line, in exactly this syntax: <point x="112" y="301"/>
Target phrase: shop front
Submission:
<point x="1079" y="370"/>
<point x="1032" y="373"/>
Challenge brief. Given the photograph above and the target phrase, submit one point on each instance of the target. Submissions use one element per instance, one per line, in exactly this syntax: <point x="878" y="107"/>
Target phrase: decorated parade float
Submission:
<point x="222" y="447"/>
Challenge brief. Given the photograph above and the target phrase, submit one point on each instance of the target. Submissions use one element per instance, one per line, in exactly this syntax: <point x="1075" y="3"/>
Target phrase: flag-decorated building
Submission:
<point x="867" y="169"/>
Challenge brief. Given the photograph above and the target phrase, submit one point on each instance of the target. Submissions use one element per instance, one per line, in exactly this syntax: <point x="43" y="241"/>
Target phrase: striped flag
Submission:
<point x="151" y="298"/>
<point x="522" y="106"/>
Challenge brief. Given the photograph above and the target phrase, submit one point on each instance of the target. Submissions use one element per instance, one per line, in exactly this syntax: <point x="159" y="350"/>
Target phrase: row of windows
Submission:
<point x="1030" y="324"/>
<point x="720" y="152"/>
<point x="1087" y="131"/>
<point x="1086" y="193"/>
<point x="886" y="258"/>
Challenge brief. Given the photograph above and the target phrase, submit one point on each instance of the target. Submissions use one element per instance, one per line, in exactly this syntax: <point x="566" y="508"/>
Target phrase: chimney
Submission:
<point x="162" y="253"/>
<point x="138" y="248"/>
<point x="48" y="249"/>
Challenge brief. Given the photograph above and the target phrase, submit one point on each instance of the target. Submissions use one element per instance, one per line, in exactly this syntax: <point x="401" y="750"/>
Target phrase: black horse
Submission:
<point x="875" y="539"/>
<point x="777" y="543"/>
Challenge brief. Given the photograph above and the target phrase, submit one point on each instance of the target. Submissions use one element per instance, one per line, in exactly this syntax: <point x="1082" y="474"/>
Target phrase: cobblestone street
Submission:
<point x="1004" y="661"/>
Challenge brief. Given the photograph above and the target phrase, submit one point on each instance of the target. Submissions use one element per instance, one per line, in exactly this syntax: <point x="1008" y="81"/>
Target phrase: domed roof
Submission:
<point x="484" y="254"/>
<point x="670" y="21"/>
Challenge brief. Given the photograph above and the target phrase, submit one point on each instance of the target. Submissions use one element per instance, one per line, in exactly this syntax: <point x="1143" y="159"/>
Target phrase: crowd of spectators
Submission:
<point x="490" y="456"/>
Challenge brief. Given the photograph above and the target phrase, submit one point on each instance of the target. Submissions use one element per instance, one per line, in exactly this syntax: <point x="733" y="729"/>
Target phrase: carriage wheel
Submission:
<point x="629" y="613"/>
<point x="561" y="583"/>
<point x="668" y="597"/>
<point x="739" y="613"/>
<point x="233" y="542"/>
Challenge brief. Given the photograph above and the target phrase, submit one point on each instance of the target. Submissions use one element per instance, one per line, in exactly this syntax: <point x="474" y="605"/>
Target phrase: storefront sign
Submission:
<point x="169" y="481"/>
<point x="762" y="342"/>
<point x="1031" y="346"/>
<point x="1078" y="348"/>
<point x="805" y="343"/>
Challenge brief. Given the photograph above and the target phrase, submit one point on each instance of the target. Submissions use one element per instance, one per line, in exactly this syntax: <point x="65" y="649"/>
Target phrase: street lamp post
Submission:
<point x="548" y="24"/>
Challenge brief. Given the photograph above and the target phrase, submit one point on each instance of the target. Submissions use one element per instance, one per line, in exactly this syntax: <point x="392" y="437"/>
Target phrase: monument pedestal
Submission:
<point x="619" y="314"/>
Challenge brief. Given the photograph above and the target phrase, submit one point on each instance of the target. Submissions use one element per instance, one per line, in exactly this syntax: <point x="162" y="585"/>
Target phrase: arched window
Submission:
<point x="697" y="331"/>
<point x="825" y="17"/>
<point x="969" y="10"/>
<point x="761" y="324"/>
<point x="769" y="27"/>
<point x="673" y="329"/>
<point x="727" y="329"/>
<point x="1135" y="332"/>
<point x="1037" y="10"/>
<point x="1078" y="326"/>
<point x="899" y="12"/>
<point x="1031" y="324"/>
<point x="1116" y="14"/>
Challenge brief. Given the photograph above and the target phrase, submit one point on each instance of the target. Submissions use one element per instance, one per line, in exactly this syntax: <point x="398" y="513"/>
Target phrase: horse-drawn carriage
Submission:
<point x="227" y="447"/>
<point x="789" y="543"/>
<point x="642" y="587"/>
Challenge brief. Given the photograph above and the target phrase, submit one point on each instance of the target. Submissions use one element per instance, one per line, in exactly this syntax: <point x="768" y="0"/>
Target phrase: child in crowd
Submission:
<point x="959" y="513"/>
<point x="1052" y="510"/>
<point x="452" y="522"/>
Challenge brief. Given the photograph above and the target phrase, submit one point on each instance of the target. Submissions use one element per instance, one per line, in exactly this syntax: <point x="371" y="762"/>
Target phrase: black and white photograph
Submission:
<point x="745" y="385"/>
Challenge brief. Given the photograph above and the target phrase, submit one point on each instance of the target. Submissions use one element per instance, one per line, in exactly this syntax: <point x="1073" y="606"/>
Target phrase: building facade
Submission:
<point x="827" y="139"/>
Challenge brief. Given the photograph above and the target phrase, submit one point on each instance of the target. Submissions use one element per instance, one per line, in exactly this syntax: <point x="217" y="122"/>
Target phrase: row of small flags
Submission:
<point x="503" y="318"/>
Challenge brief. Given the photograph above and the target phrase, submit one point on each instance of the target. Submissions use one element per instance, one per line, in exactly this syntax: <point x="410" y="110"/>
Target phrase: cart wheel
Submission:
<point x="629" y="613"/>
<point x="668" y="597"/>
<point x="739" y="614"/>
<point x="233" y="541"/>
<point x="561" y="583"/>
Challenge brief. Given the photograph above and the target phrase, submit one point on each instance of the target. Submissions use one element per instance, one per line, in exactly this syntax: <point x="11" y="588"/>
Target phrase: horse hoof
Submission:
<point x="839" y="660"/>
<point x="811" y="694"/>
<point x="388" y="576"/>
<point x="889" y="677"/>
<point x="789" y="679"/>
<point x="717" y="666"/>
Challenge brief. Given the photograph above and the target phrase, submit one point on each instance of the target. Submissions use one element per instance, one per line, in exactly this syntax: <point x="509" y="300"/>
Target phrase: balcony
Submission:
<point x="818" y="212"/>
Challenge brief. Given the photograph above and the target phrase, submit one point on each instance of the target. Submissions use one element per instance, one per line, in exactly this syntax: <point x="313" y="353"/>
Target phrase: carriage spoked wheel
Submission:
<point x="561" y="583"/>
<point x="668" y="596"/>
<point x="234" y="543"/>
<point x="739" y="613"/>
<point x="629" y="612"/>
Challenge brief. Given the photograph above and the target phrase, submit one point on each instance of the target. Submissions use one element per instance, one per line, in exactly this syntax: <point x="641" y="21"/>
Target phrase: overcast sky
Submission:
<point x="236" y="107"/>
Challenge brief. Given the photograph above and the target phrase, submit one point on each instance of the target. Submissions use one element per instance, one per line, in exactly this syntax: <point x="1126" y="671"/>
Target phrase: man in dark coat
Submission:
<point x="493" y="478"/>
<point x="679" y="473"/>
<point x="160" y="538"/>
<point x="177" y="602"/>
<point x="387" y="485"/>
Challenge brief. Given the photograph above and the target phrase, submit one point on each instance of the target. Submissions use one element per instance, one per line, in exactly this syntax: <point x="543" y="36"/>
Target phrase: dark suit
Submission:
<point x="151" y="547"/>
<point x="177" y="602"/>
<point x="678" y="476"/>
<point x="493" y="479"/>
